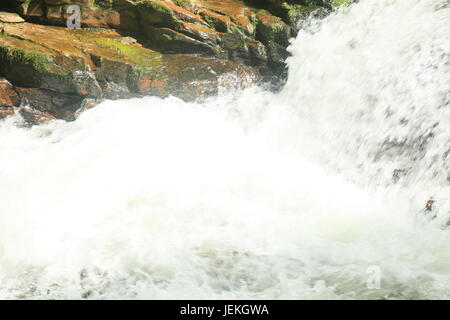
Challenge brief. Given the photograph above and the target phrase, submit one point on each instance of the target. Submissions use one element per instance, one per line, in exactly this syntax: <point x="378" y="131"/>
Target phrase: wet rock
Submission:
<point x="114" y="91"/>
<point x="34" y="117"/>
<point x="272" y="29"/>
<point x="180" y="47"/>
<point x="8" y="96"/>
<point x="29" y="115"/>
<point x="98" y="18"/>
<point x="294" y="13"/>
<point x="86" y="84"/>
<point x="219" y="22"/>
<point x="31" y="8"/>
<point x="6" y="111"/>
<point x="164" y="13"/>
<point x="202" y="27"/>
<point x="257" y="51"/>
<point x="170" y="41"/>
<point x="55" y="69"/>
<point x="277" y="53"/>
<point x="239" y="12"/>
<point x="79" y="2"/>
<point x="340" y="3"/>
<point x="128" y="40"/>
<point x="61" y="106"/>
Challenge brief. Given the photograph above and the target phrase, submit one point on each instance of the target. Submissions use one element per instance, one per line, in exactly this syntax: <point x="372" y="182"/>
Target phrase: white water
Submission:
<point x="250" y="194"/>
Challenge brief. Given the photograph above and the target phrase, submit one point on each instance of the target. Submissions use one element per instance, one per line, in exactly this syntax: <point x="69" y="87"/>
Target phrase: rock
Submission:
<point x="257" y="52"/>
<point x="8" y="96"/>
<point x="340" y="3"/>
<point x="86" y="84"/>
<point x="30" y="116"/>
<point x="32" y="8"/>
<point x="34" y="117"/>
<point x="294" y="13"/>
<point x="236" y="45"/>
<point x="132" y="48"/>
<point x="218" y="21"/>
<point x="237" y="11"/>
<point x="6" y="112"/>
<point x="78" y="2"/>
<point x="170" y="41"/>
<point x="8" y="17"/>
<point x="156" y="87"/>
<point x="98" y="18"/>
<point x="114" y="91"/>
<point x="163" y="13"/>
<point x="128" y="40"/>
<point x="271" y="28"/>
<point x="277" y="56"/>
<point x="55" y="69"/>
<point x="58" y="105"/>
<point x="204" y="27"/>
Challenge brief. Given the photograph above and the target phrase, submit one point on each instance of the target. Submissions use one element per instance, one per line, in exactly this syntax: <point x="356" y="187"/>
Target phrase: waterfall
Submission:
<point x="251" y="194"/>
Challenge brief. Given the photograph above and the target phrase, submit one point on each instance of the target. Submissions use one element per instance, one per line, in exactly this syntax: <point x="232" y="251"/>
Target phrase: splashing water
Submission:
<point x="250" y="194"/>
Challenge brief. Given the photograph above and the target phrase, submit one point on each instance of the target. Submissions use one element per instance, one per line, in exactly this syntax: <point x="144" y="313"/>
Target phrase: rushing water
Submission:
<point x="300" y="194"/>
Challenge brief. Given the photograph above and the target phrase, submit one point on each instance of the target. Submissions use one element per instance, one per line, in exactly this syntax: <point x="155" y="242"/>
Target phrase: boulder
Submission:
<point x="55" y="69"/>
<point x="204" y="27"/>
<point x="8" y="96"/>
<point x="9" y="17"/>
<point x="132" y="48"/>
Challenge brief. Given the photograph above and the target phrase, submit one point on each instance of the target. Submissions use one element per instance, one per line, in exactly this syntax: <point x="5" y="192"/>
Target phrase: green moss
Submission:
<point x="38" y="61"/>
<point x="167" y="36"/>
<point x="160" y="8"/>
<point x="141" y="58"/>
<point x="182" y="3"/>
<point x="292" y="13"/>
<point x="263" y="12"/>
<point x="271" y="28"/>
<point x="217" y="24"/>
<point x="104" y="4"/>
<point x="156" y="13"/>
<point x="28" y="64"/>
<point x="156" y="6"/>
<point x="339" y="3"/>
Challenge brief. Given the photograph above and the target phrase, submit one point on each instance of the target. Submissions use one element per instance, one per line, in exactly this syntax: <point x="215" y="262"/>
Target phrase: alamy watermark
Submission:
<point x="74" y="19"/>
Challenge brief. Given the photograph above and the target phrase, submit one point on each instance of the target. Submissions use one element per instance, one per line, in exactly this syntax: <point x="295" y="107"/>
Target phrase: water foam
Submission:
<point x="250" y="194"/>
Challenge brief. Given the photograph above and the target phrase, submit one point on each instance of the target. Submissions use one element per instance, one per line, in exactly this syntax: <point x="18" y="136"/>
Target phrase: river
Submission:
<point x="313" y="192"/>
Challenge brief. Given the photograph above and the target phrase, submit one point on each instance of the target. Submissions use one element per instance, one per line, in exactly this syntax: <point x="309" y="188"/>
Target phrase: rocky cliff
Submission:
<point x="131" y="48"/>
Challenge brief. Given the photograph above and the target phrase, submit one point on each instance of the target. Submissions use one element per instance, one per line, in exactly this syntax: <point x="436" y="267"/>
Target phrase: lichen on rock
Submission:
<point x="131" y="48"/>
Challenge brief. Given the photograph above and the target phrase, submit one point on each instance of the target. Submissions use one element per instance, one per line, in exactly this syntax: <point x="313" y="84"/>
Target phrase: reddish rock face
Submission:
<point x="56" y="69"/>
<point x="8" y="96"/>
<point x="132" y="48"/>
<point x="157" y="87"/>
<point x="32" y="116"/>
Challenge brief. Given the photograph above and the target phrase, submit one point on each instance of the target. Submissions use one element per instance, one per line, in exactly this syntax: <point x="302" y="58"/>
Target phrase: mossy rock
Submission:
<point x="58" y="67"/>
<point x="29" y="65"/>
<point x="294" y="13"/>
<point x="340" y="3"/>
<point x="219" y="22"/>
<point x="183" y="3"/>
<point x="104" y="4"/>
<point x="167" y="40"/>
<point x="156" y="13"/>
<point x="271" y="28"/>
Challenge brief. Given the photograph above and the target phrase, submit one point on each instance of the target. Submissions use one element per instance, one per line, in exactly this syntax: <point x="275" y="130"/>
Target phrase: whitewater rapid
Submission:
<point x="251" y="194"/>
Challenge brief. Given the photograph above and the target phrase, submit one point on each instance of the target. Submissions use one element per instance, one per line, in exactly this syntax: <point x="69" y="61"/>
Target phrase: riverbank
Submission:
<point x="129" y="48"/>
